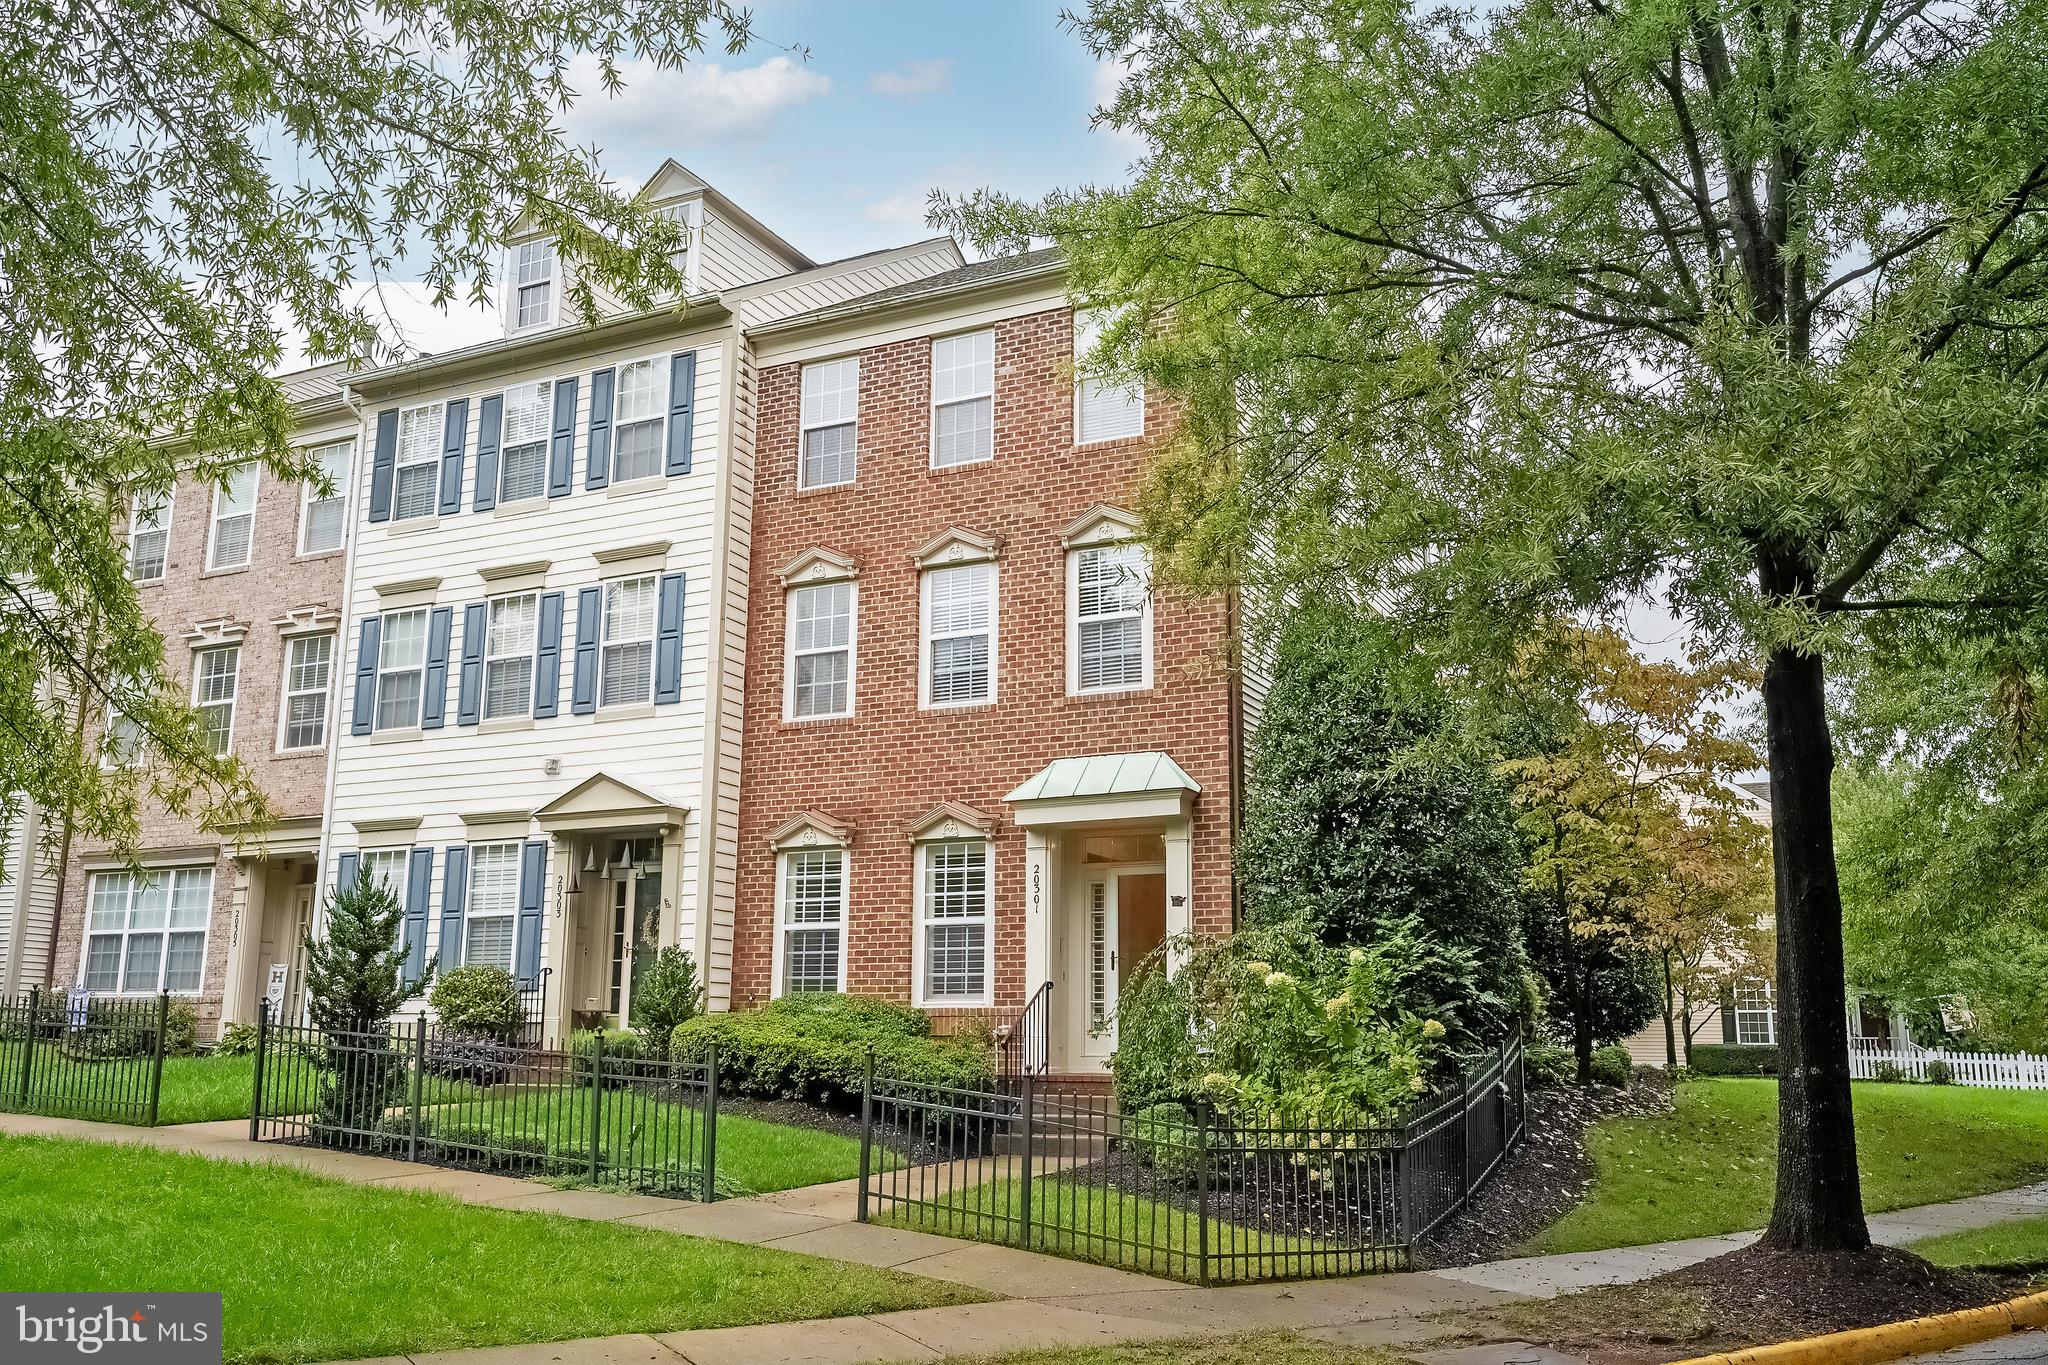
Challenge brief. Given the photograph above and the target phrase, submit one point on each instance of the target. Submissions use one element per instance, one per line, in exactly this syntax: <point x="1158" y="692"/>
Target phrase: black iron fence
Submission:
<point x="1182" y="1195"/>
<point x="76" y="1057"/>
<point x="420" y="1092"/>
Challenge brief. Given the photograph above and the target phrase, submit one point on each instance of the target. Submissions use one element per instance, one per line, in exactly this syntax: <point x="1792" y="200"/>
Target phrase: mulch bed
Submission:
<point x="1745" y="1298"/>
<point x="1546" y="1175"/>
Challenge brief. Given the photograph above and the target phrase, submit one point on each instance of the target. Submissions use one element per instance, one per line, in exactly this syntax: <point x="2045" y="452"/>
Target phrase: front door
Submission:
<point x="295" y="953"/>
<point x="636" y="918"/>
<point x="1123" y="920"/>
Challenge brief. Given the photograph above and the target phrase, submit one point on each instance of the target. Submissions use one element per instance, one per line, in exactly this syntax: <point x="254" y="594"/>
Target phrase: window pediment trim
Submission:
<point x="306" y="619"/>
<point x="1101" y="524"/>
<point x="818" y="565"/>
<point x="956" y="545"/>
<point x="219" y="630"/>
<point x="406" y="587"/>
<point x="812" y="829"/>
<point x="952" y="820"/>
<point x="526" y="568"/>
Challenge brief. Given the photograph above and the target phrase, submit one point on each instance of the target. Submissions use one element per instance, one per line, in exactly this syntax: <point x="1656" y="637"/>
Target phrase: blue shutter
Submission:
<point x="366" y="677"/>
<point x="469" y="693"/>
<point x="455" y="438"/>
<point x="454" y="901"/>
<point x="589" y="611"/>
<point x="547" y="659"/>
<point x="419" y="878"/>
<point x="490" y="420"/>
<point x="434" y="704"/>
<point x="682" y="401"/>
<point x="384" y="465"/>
<point x="533" y="869"/>
<point x="345" y="870"/>
<point x="597" y="462"/>
<point x="668" y="641"/>
<point x="562" y="454"/>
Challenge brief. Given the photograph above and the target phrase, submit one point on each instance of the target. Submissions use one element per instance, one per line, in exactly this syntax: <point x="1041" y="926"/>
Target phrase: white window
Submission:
<point x="831" y="423"/>
<point x="523" y="441"/>
<point x="234" y="519"/>
<point x="508" y="655"/>
<point x="401" y="669"/>
<point x="818" y="663"/>
<point x="954" y="913"/>
<point x="640" y="420"/>
<point x="1756" y="1021"/>
<point x="323" y="517"/>
<point x="146" y="932"/>
<point x="417" y="491"/>
<point x="308" y="671"/>
<point x="493" y="905"/>
<point x="963" y="399"/>
<point x="388" y="867"/>
<point x="533" y="284"/>
<point x="1109" y="630"/>
<point x="626" y="661"/>
<point x="149" y="539"/>
<point x="1103" y="411"/>
<point x="215" y="673"/>
<point x="959" y="663"/>
<point x="812" y="905"/>
<point x="691" y="216"/>
<point x="122" y="744"/>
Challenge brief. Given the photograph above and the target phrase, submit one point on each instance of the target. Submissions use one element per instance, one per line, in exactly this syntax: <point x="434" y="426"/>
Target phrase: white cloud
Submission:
<point x="1103" y="83"/>
<point x="931" y="77"/>
<point x="906" y="209"/>
<point x="406" y="318"/>
<point x="699" y="102"/>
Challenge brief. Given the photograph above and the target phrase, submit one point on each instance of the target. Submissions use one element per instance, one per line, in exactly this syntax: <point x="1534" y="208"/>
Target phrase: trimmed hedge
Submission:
<point x="1612" y="1066"/>
<point x="1734" y="1059"/>
<point x="815" y="1048"/>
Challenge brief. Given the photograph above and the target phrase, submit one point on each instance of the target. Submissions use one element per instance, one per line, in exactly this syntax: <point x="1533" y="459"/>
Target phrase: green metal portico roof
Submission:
<point x="1141" y="774"/>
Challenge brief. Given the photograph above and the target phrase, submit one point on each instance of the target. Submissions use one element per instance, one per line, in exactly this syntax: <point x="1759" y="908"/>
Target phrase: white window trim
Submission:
<point x="107" y="759"/>
<point x="532" y="655"/>
<point x="512" y="286"/>
<point x="404" y="852"/>
<point x="852" y="653"/>
<point x="782" y="925"/>
<point x="1082" y="378"/>
<point x="1769" y="1011"/>
<point x="664" y="366"/>
<point x="924" y="637"/>
<point x="383" y="638"/>
<point x="163" y="525"/>
<point x="285" y="692"/>
<point x="1073" y="614"/>
<point x="505" y="444"/>
<point x="205" y="932"/>
<point x="921" y="921"/>
<point x="220" y="493"/>
<point x="469" y="911"/>
<point x="605" y="643"/>
<point x="234" y="698"/>
<point x="690" y="213"/>
<point x="438" y="424"/>
<point x="932" y="412"/>
<point x="309" y="494"/>
<point x="804" y="428"/>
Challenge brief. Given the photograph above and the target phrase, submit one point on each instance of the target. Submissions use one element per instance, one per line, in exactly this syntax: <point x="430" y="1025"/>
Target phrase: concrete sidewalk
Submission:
<point x="1048" y="1301"/>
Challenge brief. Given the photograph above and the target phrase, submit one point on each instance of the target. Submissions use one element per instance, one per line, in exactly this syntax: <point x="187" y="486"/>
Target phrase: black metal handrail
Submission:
<point x="1025" y="1048"/>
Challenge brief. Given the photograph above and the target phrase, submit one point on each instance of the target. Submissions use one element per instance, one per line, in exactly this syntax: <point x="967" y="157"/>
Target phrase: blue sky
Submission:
<point x="837" y="151"/>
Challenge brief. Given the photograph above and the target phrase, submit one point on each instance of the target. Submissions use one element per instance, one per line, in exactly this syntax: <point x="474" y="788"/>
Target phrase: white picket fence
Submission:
<point x="1994" y="1070"/>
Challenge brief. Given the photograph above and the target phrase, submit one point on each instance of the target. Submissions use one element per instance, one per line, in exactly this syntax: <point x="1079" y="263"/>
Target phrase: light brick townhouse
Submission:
<point x="805" y="628"/>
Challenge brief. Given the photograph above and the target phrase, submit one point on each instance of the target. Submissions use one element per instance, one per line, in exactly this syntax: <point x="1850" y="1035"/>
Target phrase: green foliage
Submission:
<point x="478" y="1000"/>
<point x="667" y="995"/>
<point x="1600" y="982"/>
<point x="355" y="981"/>
<point x="181" y="1029"/>
<point x="1612" y="1066"/>
<point x="624" y="1049"/>
<point x="1939" y="1072"/>
<point x="1731" y="1059"/>
<point x="1889" y="1073"/>
<point x="1365" y="808"/>
<point x="815" y="1047"/>
<point x="1167" y="1138"/>
<point x="1548" y="1066"/>
<point x="203" y="181"/>
<point x="236" y="1040"/>
<point x="1271" y="1023"/>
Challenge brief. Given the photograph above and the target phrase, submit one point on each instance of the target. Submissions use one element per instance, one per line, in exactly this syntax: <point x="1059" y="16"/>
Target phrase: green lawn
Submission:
<point x="1087" y="1222"/>
<point x="2022" y="1244"/>
<point x="312" y="1269"/>
<point x="1709" y="1167"/>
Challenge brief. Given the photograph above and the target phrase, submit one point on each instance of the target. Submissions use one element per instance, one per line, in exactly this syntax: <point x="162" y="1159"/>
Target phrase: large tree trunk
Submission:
<point x="1819" y="1204"/>
<point x="1670" y="1034"/>
<point x="1582" y="1026"/>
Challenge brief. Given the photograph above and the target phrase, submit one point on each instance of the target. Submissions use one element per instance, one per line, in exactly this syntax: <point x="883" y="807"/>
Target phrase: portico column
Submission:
<point x="1180" y="880"/>
<point x="559" y="936"/>
<point x="245" y="921"/>
<point x="1041" y="886"/>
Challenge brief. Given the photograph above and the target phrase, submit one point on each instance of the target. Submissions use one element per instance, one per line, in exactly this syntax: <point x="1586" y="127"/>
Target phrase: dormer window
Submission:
<point x="691" y="216"/>
<point x="533" y="284"/>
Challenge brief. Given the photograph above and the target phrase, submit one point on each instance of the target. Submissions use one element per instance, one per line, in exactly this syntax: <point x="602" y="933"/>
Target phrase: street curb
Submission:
<point x="1914" y="1336"/>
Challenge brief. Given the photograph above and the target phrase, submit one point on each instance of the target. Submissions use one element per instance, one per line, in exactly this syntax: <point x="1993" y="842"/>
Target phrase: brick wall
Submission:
<point x="887" y="766"/>
<point x="277" y="581"/>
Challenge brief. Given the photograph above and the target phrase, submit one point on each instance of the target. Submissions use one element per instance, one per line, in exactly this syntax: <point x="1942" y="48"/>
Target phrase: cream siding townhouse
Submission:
<point x="545" y="619"/>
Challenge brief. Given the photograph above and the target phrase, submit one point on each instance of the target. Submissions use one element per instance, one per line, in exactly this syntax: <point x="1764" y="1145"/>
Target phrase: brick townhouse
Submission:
<point x="243" y="580"/>
<point x="983" y="757"/>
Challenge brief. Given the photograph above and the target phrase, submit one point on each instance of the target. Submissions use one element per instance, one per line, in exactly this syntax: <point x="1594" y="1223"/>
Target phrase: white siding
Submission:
<point x="732" y="256"/>
<point x="441" y="774"/>
<point x="28" y="902"/>
<point x="821" y="288"/>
